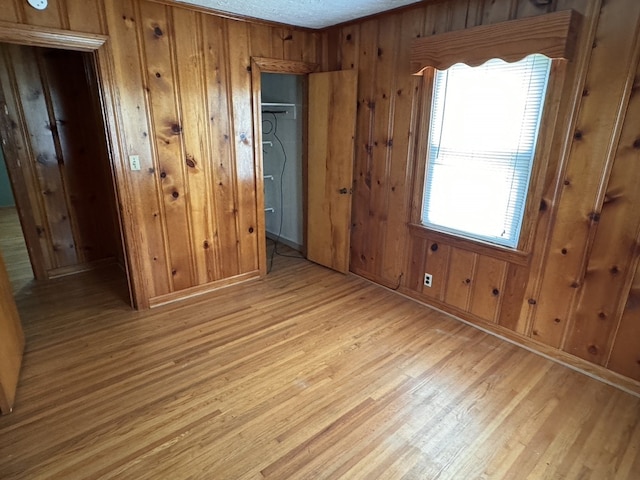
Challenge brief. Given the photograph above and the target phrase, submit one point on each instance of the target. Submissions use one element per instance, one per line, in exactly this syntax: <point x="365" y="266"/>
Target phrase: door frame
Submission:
<point x="260" y="65"/>
<point x="100" y="46"/>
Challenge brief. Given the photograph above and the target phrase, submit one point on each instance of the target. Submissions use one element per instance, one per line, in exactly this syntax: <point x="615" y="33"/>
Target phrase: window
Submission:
<point x="481" y="146"/>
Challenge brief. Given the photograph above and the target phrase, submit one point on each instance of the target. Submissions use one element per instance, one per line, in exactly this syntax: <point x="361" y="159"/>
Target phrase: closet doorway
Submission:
<point x="326" y="126"/>
<point x="283" y="111"/>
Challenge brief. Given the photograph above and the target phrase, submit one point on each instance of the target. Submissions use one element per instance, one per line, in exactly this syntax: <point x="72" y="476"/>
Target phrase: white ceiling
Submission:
<point x="302" y="13"/>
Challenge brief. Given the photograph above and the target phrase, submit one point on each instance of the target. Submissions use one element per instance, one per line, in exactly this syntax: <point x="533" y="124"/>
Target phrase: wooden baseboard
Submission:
<point x="202" y="289"/>
<point x="82" y="267"/>
<point x="578" y="364"/>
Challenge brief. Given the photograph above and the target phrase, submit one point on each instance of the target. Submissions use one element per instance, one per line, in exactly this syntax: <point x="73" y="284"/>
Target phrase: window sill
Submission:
<point x="517" y="257"/>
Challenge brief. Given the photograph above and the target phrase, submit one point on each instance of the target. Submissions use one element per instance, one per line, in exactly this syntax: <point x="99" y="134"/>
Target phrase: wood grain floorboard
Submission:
<point x="306" y="374"/>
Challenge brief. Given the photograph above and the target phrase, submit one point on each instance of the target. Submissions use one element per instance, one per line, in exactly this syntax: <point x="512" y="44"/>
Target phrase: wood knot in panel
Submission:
<point x="190" y="161"/>
<point x="614" y="270"/>
<point x="594" y="216"/>
<point x="593" y="350"/>
<point x="176" y="129"/>
<point x="175" y="194"/>
<point x="157" y="31"/>
<point x="434" y="247"/>
<point x="636" y="143"/>
<point x="543" y="205"/>
<point x="532" y="301"/>
<point x="495" y="292"/>
<point x="578" y="135"/>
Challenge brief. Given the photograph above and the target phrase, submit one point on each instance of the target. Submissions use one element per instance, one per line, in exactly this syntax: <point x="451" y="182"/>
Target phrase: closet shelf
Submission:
<point x="288" y="110"/>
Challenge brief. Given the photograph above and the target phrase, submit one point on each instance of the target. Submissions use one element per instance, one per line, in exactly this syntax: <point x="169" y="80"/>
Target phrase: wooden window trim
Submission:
<point x="553" y="35"/>
<point x="50" y="37"/>
<point x="534" y="204"/>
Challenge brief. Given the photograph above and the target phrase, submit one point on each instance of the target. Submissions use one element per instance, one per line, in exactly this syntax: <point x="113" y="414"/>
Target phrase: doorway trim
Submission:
<point x="100" y="46"/>
<point x="260" y="65"/>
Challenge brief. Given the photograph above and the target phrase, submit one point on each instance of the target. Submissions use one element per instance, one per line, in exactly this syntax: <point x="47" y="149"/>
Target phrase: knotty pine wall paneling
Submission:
<point x="59" y="143"/>
<point x="75" y="15"/>
<point x="567" y="294"/>
<point x="184" y="84"/>
<point x="182" y="103"/>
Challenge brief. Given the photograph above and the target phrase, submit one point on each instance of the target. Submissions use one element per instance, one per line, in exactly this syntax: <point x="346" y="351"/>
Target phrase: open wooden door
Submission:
<point x="11" y="342"/>
<point x="332" y="123"/>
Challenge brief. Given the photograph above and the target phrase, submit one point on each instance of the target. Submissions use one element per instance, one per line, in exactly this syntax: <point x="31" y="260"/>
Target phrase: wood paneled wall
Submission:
<point x="568" y="294"/>
<point x="58" y="157"/>
<point x="184" y="105"/>
<point x="184" y="84"/>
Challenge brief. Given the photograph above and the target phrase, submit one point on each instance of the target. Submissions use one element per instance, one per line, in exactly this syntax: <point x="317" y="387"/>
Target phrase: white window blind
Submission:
<point x="483" y="131"/>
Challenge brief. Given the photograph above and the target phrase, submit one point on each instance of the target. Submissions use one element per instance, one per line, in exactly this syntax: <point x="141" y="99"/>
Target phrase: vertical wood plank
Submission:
<point x="158" y="37"/>
<point x="11" y="12"/>
<point x="460" y="278"/>
<point x="86" y="16"/>
<point x="400" y="146"/>
<point x="240" y="82"/>
<point x="625" y="354"/>
<point x="198" y="159"/>
<point x="132" y="117"/>
<point x="488" y="285"/>
<point x="261" y="36"/>
<point x="349" y="47"/>
<point x="381" y="143"/>
<point x="498" y="11"/>
<point x="512" y="299"/>
<point x="225" y="234"/>
<point x="417" y="258"/>
<point x="436" y="263"/>
<point x="366" y="65"/>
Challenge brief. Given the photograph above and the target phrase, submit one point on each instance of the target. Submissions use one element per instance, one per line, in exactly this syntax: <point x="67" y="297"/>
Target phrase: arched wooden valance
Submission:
<point x="553" y="35"/>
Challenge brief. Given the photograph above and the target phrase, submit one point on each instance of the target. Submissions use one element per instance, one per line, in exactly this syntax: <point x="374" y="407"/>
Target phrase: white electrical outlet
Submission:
<point x="428" y="278"/>
<point x="38" y="4"/>
<point x="134" y="162"/>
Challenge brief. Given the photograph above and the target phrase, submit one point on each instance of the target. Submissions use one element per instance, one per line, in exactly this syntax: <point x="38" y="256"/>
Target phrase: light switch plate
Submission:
<point x="134" y="162"/>
<point x="38" y="4"/>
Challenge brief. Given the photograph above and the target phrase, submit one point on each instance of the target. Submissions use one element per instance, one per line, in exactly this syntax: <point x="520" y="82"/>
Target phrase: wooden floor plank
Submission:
<point x="307" y="374"/>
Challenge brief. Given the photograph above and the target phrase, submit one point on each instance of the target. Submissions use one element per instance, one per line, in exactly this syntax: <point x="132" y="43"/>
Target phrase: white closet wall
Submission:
<point x="282" y="139"/>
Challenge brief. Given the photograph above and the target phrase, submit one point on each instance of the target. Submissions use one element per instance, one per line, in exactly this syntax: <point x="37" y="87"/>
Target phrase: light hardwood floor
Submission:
<point x="307" y="374"/>
<point x="14" y="250"/>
